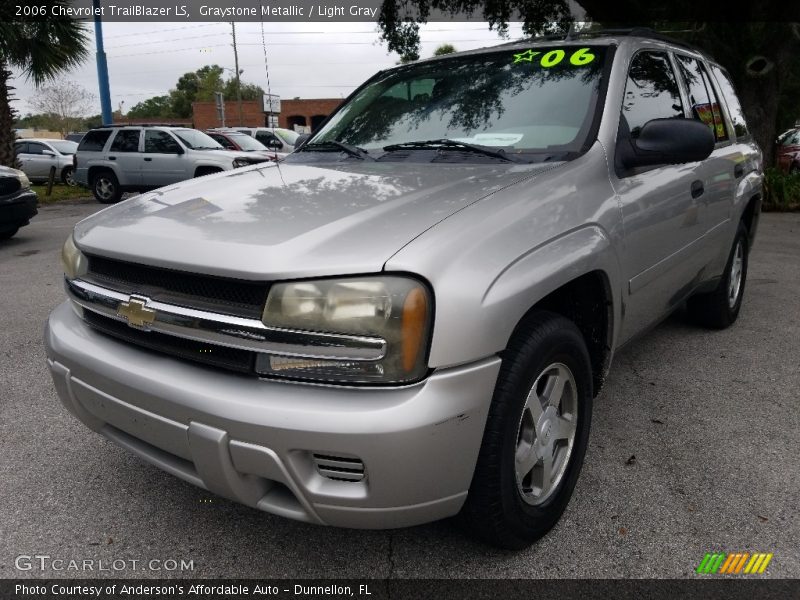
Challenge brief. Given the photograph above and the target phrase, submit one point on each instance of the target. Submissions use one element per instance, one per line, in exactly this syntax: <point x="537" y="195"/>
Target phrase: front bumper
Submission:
<point x="255" y="441"/>
<point x="17" y="210"/>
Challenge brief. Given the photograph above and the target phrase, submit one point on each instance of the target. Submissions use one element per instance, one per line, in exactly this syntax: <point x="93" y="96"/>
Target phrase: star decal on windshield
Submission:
<point x="526" y="56"/>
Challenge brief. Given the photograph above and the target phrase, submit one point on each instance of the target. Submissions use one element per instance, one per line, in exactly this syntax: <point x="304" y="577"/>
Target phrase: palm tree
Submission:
<point x="41" y="50"/>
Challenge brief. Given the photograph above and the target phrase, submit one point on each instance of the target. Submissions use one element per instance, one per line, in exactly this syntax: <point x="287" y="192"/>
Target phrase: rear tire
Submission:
<point x="540" y="415"/>
<point x="719" y="309"/>
<point x="105" y="187"/>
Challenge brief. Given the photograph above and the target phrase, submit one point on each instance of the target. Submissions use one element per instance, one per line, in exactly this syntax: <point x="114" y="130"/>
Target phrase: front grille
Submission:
<point x="339" y="468"/>
<point x="9" y="185"/>
<point x="204" y="292"/>
<point x="231" y="359"/>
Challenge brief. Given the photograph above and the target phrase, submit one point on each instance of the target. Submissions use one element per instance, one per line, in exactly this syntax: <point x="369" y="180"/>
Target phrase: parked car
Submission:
<point x="274" y="138"/>
<point x="114" y="159"/>
<point x="75" y="136"/>
<point x="409" y="317"/>
<point x="230" y="139"/>
<point x="18" y="203"/>
<point x="788" y="151"/>
<point x="38" y="156"/>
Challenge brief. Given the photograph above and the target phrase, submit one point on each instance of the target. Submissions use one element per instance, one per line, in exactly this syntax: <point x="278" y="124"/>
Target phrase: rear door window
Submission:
<point x="127" y="140"/>
<point x="702" y="97"/>
<point x="94" y="141"/>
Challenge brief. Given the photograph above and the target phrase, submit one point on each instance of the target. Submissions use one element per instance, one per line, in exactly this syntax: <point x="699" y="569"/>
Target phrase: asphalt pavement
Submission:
<point x="695" y="448"/>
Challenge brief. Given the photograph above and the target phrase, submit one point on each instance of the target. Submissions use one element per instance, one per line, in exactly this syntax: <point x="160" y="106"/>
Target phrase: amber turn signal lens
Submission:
<point x="415" y="313"/>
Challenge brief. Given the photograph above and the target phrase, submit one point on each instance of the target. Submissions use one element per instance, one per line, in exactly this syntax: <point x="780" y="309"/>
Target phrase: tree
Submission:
<point x="64" y="103"/>
<point x="158" y="106"/>
<point x="250" y="91"/>
<point x="41" y="50"/>
<point x="195" y="86"/>
<point x="760" y="50"/>
<point x="444" y="49"/>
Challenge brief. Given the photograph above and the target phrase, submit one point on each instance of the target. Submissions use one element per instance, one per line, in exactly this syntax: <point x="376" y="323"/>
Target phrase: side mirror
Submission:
<point x="667" y="142"/>
<point x="180" y="150"/>
<point x="301" y="139"/>
<point x="48" y="153"/>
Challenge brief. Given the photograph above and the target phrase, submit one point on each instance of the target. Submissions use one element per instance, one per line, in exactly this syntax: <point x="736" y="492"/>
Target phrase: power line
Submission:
<point x="172" y="50"/>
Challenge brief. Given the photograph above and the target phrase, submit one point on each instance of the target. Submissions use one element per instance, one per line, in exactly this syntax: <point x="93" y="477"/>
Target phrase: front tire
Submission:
<point x="105" y="188"/>
<point x="720" y="308"/>
<point x="536" y="435"/>
<point x="68" y="177"/>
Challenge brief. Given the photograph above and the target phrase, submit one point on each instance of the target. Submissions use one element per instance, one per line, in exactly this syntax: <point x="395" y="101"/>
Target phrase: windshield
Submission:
<point x="287" y="136"/>
<point x="196" y="140"/>
<point x="530" y="101"/>
<point x="65" y="147"/>
<point x="246" y="143"/>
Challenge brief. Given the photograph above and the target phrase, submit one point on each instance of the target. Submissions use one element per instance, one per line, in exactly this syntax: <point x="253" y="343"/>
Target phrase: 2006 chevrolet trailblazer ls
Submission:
<point x="408" y="318"/>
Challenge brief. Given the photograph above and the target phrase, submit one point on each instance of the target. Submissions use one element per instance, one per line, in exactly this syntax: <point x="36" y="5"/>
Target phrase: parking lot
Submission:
<point x="694" y="449"/>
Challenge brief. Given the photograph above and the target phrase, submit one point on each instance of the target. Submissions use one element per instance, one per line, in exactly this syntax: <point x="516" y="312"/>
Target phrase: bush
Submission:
<point x="781" y="192"/>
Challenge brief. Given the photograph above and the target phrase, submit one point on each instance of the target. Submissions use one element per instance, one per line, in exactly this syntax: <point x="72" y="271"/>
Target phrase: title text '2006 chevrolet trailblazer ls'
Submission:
<point x="409" y="317"/>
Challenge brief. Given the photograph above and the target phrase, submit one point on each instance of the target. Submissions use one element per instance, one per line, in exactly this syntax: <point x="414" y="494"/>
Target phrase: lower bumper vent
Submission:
<point x="339" y="468"/>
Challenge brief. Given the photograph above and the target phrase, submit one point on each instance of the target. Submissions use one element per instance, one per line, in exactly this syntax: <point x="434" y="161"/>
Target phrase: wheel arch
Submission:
<point x="576" y="276"/>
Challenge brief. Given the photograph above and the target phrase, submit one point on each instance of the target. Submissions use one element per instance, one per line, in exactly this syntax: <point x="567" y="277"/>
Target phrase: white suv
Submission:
<point x="114" y="159"/>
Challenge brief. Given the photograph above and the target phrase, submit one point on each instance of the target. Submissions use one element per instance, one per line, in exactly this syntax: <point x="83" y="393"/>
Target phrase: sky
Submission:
<point x="306" y="60"/>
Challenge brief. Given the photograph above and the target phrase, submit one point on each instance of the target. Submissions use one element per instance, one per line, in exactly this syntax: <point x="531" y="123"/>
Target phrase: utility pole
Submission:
<point x="102" y="66"/>
<point x="236" y="67"/>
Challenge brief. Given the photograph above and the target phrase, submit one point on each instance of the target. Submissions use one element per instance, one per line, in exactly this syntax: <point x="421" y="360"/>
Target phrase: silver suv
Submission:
<point x="116" y="159"/>
<point x="409" y="317"/>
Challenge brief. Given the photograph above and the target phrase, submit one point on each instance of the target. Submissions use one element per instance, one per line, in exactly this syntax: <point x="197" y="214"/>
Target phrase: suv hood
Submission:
<point x="291" y="220"/>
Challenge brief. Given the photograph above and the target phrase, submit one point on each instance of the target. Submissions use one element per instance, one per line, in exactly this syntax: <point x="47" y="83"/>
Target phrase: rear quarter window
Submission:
<point x="732" y="101"/>
<point x="94" y="141"/>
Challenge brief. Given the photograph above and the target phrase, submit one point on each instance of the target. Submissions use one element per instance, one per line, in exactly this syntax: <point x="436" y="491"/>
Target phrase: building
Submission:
<point x="304" y="113"/>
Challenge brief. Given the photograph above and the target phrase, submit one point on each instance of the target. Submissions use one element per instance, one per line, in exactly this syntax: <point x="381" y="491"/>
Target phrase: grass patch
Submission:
<point x="60" y="192"/>
<point x="781" y="192"/>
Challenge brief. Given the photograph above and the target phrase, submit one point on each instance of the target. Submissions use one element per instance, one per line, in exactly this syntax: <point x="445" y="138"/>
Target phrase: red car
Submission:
<point x="235" y="140"/>
<point x="788" y="151"/>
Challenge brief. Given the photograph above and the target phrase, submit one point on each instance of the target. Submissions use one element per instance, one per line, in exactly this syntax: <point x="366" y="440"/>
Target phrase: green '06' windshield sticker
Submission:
<point x="551" y="58"/>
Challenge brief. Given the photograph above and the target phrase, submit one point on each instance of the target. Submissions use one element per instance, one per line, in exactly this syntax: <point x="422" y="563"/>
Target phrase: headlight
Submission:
<point x="24" y="182"/>
<point x="395" y="310"/>
<point x="74" y="261"/>
<point x="240" y="162"/>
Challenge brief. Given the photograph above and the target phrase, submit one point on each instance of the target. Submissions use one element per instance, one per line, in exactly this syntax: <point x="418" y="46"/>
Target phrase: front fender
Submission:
<point x="490" y="263"/>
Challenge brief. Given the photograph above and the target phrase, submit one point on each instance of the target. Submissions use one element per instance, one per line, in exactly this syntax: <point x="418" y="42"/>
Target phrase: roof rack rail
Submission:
<point x="142" y="125"/>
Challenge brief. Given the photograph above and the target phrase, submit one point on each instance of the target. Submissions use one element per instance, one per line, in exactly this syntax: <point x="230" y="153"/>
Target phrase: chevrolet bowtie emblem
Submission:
<point x="135" y="311"/>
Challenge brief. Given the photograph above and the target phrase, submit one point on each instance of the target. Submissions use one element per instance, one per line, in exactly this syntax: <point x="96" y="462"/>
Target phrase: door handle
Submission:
<point x="738" y="170"/>
<point x="112" y="158"/>
<point x="697" y="188"/>
<point x="148" y="159"/>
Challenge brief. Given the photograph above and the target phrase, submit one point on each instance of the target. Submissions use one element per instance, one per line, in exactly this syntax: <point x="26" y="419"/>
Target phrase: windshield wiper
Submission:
<point x="454" y="144"/>
<point x="336" y="145"/>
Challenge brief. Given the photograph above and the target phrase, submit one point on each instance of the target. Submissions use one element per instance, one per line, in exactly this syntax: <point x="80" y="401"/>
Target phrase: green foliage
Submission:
<point x="158" y="106"/>
<point x="192" y="87"/>
<point x="781" y="191"/>
<point x="444" y="49"/>
<point x="40" y="50"/>
<point x="250" y="91"/>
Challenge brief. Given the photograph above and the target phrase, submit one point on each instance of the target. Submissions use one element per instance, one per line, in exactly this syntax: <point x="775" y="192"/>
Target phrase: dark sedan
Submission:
<point x="17" y="201"/>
